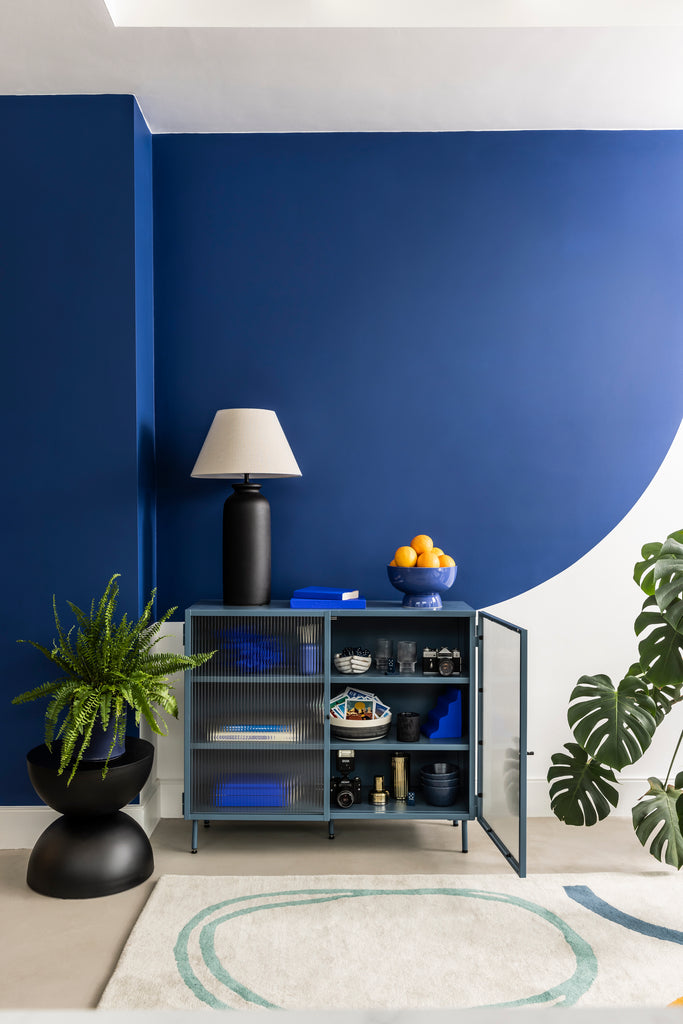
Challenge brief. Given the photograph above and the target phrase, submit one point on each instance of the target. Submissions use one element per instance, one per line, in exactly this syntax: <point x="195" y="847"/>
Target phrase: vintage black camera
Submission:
<point x="448" y="663"/>
<point x="443" y="661"/>
<point x="343" y="790"/>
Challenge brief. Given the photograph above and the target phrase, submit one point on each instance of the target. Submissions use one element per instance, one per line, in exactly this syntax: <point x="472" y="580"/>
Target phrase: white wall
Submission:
<point x="581" y="622"/>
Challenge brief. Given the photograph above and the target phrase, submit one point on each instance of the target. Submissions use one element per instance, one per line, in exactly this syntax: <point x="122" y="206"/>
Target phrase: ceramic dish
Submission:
<point x="360" y="729"/>
<point x="353" y="664"/>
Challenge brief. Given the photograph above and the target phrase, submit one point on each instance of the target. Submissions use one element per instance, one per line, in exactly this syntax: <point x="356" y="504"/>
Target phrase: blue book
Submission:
<point x="326" y="593"/>
<point x="308" y="602"/>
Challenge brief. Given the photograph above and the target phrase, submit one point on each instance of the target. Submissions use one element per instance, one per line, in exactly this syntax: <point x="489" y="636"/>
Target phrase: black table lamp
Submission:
<point x="245" y="443"/>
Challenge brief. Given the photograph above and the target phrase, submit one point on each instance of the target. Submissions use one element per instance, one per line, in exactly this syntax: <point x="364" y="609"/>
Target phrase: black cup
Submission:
<point x="407" y="727"/>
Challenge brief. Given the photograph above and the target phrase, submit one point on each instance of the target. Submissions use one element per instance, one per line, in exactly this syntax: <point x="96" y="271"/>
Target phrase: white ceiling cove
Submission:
<point x="357" y="65"/>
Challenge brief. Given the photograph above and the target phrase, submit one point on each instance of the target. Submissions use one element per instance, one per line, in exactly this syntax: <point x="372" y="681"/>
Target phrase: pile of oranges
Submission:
<point x="421" y="553"/>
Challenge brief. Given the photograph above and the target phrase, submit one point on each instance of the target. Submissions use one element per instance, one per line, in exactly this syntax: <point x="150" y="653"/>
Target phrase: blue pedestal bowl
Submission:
<point x="422" y="587"/>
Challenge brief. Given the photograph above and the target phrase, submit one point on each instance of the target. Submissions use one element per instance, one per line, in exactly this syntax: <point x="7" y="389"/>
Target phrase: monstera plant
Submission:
<point x="614" y="726"/>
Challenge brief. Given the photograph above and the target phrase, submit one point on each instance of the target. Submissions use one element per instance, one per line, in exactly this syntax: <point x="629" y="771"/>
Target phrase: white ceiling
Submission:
<point x="497" y="65"/>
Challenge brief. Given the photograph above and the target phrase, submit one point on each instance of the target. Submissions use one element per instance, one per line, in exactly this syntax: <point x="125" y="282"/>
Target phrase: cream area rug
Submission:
<point x="404" y="941"/>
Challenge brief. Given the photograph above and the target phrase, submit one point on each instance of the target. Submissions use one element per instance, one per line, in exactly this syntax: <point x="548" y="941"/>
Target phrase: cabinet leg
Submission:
<point x="464" y="837"/>
<point x="195" y="835"/>
<point x="330" y="829"/>
<point x="454" y="824"/>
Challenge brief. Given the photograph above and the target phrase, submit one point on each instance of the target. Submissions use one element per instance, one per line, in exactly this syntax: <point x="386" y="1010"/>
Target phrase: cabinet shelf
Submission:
<point x="389" y="742"/>
<point x="391" y="679"/>
<point x="256" y="745"/>
<point x="400" y="809"/>
<point x="254" y="677"/>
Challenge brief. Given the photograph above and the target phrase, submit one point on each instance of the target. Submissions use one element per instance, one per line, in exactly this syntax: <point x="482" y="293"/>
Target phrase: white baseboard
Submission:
<point x="20" y="827"/>
<point x="171" y="798"/>
<point x="163" y="798"/>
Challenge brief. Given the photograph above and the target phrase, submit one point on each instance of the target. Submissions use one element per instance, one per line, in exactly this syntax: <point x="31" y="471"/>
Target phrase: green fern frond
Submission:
<point x="106" y="666"/>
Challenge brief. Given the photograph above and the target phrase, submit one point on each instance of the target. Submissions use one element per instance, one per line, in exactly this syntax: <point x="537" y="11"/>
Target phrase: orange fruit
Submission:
<point x="405" y="556"/>
<point x="445" y="560"/>
<point x="428" y="561"/>
<point x="422" y="543"/>
<point x="392" y="562"/>
<point x="437" y="551"/>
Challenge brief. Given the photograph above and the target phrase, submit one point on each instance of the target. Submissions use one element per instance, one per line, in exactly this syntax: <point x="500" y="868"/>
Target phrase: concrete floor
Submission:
<point x="59" y="954"/>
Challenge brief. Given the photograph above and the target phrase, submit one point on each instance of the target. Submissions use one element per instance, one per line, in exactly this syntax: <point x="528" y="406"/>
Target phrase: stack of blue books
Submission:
<point x="326" y="597"/>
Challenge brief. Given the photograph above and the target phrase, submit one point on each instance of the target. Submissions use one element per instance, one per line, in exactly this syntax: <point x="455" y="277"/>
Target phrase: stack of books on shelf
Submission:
<point x="245" y="732"/>
<point x="326" y="597"/>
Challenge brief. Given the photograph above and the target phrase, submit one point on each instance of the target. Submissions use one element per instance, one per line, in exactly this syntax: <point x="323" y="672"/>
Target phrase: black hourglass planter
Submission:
<point x="94" y="849"/>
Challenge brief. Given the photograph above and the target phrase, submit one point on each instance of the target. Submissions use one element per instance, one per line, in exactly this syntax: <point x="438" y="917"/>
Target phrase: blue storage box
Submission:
<point x="247" y="789"/>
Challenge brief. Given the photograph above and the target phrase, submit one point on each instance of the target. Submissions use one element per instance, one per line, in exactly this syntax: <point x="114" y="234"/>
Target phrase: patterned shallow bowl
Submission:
<point x="360" y="729"/>
<point x="353" y="664"/>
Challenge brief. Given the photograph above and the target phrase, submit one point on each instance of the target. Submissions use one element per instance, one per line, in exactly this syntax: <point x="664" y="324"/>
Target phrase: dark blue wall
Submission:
<point x="476" y="336"/>
<point x="144" y="349"/>
<point x="68" y="328"/>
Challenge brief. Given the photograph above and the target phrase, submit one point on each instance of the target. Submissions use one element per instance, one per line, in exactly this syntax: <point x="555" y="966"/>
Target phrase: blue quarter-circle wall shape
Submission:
<point x="472" y="335"/>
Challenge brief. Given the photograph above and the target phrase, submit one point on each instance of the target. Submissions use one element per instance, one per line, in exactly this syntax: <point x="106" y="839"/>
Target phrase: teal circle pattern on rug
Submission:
<point x="567" y="993"/>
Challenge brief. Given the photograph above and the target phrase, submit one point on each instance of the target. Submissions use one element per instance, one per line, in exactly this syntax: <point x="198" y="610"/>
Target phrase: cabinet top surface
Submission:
<point x="373" y="607"/>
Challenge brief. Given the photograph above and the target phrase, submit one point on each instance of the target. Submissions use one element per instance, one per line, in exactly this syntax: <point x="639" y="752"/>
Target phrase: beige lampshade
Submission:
<point x="245" y="441"/>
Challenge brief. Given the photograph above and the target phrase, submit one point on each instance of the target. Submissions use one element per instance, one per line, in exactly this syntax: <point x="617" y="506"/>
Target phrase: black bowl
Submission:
<point x="441" y="768"/>
<point x="439" y="783"/>
<point x="440" y="797"/>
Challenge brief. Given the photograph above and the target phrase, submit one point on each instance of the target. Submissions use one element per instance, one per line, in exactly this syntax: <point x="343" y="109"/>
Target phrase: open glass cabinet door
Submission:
<point x="501" y="713"/>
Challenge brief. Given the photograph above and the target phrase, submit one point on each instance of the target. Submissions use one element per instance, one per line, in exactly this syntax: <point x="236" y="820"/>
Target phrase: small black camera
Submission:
<point x="443" y="661"/>
<point x="448" y="663"/>
<point x="343" y="790"/>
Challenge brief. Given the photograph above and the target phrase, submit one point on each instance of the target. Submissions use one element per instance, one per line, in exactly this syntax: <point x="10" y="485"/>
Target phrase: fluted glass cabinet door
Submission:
<point x="255" y="715"/>
<point x="502" y="736"/>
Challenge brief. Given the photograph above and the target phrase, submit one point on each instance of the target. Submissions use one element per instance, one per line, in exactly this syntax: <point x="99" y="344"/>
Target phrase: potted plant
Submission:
<point x="107" y="668"/>
<point x="614" y="726"/>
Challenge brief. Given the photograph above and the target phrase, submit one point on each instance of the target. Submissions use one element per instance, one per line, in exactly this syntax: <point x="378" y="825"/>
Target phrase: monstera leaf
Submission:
<point x="657" y="816"/>
<point x="614" y="726"/>
<point x="663" y="697"/>
<point x="581" y="790"/>
<point x="668" y="574"/>
<point x="661" y="648"/>
<point x="660" y="574"/>
<point x="644" y="572"/>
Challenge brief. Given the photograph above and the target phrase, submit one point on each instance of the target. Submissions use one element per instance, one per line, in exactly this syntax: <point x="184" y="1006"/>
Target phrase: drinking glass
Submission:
<point x="382" y="654"/>
<point x="407" y="655"/>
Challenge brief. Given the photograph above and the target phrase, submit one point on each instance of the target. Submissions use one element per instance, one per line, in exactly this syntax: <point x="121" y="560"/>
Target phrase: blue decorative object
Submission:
<point x="445" y="720"/>
<point x="422" y="587"/>
<point x="250" y="651"/>
<point x="247" y="789"/>
<point x="311" y="659"/>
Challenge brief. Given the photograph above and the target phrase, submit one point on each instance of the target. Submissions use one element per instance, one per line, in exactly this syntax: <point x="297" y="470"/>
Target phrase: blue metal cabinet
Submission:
<point x="258" y="738"/>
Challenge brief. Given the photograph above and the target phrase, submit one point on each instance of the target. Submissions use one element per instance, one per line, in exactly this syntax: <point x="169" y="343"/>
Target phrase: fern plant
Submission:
<point x="614" y="726"/>
<point x="107" y="668"/>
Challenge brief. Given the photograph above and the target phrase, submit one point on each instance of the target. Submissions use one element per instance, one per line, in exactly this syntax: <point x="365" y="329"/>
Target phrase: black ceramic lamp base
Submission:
<point x="246" y="546"/>
<point x="80" y="858"/>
